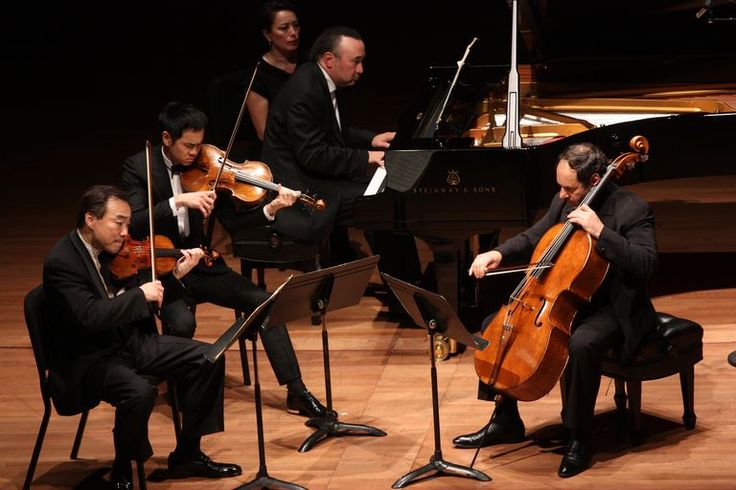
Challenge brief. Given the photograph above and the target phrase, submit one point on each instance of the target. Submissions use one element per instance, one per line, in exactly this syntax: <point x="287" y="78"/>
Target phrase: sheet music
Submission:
<point x="231" y="334"/>
<point x="374" y="187"/>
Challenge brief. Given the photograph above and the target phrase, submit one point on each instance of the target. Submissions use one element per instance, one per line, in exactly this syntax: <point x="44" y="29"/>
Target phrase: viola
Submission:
<point x="528" y="337"/>
<point x="247" y="181"/>
<point x="135" y="255"/>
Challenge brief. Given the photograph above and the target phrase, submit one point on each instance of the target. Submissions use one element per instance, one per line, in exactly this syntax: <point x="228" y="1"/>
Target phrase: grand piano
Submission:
<point x="450" y="180"/>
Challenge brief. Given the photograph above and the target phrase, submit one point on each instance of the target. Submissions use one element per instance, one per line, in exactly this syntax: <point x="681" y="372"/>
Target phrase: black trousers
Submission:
<point x="594" y="335"/>
<point x="229" y="289"/>
<point x="130" y="383"/>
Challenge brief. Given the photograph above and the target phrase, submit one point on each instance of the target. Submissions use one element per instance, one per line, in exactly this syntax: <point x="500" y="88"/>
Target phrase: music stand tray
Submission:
<point x="433" y="311"/>
<point x="318" y="292"/>
<point x="259" y="319"/>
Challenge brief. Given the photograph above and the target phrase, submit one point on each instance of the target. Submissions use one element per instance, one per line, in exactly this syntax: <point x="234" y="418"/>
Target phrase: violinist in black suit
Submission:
<point x="619" y="315"/>
<point x="308" y="145"/>
<point x="105" y="345"/>
<point x="179" y="215"/>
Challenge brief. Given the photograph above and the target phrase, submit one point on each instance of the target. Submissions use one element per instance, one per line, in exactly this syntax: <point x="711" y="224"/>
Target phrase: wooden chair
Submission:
<point x="674" y="347"/>
<point x="36" y="322"/>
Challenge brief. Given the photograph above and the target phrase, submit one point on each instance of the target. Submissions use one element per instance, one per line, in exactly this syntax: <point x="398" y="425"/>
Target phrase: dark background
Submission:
<point x="83" y="83"/>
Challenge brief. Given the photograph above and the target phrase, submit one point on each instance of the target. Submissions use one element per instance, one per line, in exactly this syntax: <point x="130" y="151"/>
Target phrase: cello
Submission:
<point x="528" y="337"/>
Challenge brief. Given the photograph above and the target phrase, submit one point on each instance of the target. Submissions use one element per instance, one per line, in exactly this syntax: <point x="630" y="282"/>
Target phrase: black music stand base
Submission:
<point x="436" y="313"/>
<point x="262" y="480"/>
<point x="440" y="467"/>
<point x="331" y="427"/>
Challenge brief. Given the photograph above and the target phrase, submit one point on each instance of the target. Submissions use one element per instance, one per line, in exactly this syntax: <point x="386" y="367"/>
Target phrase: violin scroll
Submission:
<point x="312" y="202"/>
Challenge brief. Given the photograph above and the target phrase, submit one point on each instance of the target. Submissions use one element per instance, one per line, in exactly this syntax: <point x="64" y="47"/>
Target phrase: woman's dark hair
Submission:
<point x="270" y="9"/>
<point x="586" y="159"/>
<point x="94" y="200"/>
<point x="329" y="40"/>
<point x="175" y="117"/>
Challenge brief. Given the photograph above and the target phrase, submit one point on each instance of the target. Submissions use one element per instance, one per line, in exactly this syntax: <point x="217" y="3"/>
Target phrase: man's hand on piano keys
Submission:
<point x="375" y="157"/>
<point x="383" y="140"/>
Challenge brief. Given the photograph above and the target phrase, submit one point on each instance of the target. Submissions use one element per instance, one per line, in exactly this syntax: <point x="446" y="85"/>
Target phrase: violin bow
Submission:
<point x="149" y="188"/>
<point x="209" y="224"/>
<point x="151" y="239"/>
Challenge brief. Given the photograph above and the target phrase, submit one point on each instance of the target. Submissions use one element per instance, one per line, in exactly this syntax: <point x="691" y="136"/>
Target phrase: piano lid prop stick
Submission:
<point x="460" y="65"/>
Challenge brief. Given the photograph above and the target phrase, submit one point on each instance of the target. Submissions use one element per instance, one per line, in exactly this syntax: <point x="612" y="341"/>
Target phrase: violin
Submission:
<point x="528" y="337"/>
<point x="247" y="181"/>
<point x="136" y="255"/>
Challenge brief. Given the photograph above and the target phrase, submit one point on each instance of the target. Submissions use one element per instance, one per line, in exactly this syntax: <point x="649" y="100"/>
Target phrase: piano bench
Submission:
<point x="673" y="347"/>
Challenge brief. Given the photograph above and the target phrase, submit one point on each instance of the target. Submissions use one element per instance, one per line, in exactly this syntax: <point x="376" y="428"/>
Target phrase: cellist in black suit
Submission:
<point x="619" y="315"/>
<point x="105" y="346"/>
<point x="179" y="216"/>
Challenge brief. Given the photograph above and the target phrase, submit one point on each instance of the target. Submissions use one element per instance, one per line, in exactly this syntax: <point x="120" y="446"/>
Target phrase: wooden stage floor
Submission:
<point x="380" y="377"/>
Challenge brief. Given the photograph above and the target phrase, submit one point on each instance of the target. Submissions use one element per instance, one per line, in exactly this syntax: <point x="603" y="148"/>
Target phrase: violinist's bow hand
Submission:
<point x="203" y="201"/>
<point x="153" y="292"/>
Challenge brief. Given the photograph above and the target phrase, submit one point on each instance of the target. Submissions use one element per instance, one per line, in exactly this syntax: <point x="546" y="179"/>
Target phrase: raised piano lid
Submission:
<point x="586" y="65"/>
<point x="593" y="64"/>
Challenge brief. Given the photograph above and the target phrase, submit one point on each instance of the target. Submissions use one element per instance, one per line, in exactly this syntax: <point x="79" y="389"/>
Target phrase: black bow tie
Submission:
<point x="177" y="169"/>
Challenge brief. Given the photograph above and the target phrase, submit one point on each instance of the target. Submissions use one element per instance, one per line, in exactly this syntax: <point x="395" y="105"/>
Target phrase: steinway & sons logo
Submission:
<point x="453" y="177"/>
<point x="453" y="187"/>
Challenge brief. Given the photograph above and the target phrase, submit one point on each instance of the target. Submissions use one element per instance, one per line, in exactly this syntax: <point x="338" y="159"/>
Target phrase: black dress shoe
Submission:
<point x="306" y="404"/>
<point x="201" y="465"/>
<point x="120" y="482"/>
<point x="500" y="430"/>
<point x="576" y="460"/>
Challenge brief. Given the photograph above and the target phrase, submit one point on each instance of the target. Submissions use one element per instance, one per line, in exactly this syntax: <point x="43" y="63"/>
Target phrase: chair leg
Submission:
<point x="687" y="385"/>
<point x="141" y="469"/>
<point x="174" y="403"/>
<point x="633" y="388"/>
<point x="620" y="396"/>
<point x="261" y="273"/>
<point x="39" y="443"/>
<point x="78" y="438"/>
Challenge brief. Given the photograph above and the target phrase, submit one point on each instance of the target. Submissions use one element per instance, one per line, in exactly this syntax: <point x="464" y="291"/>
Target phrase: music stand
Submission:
<point x="259" y="319"/>
<point x="319" y="292"/>
<point x="433" y="311"/>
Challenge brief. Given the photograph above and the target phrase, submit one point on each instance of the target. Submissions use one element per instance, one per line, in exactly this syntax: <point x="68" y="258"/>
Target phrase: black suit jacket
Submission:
<point x="304" y="145"/>
<point x="627" y="242"/>
<point x="134" y="184"/>
<point x="85" y="326"/>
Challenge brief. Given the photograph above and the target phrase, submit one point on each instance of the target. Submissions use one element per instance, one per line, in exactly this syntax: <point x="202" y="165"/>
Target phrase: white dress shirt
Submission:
<point x="182" y="213"/>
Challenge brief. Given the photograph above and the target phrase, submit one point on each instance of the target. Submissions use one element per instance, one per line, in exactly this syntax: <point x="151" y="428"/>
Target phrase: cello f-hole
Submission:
<point x="543" y="310"/>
